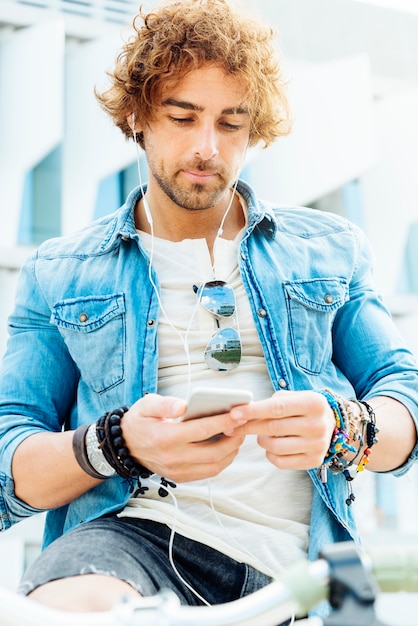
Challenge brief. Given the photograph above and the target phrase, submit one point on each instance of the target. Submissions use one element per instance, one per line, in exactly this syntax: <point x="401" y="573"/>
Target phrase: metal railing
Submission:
<point x="104" y="10"/>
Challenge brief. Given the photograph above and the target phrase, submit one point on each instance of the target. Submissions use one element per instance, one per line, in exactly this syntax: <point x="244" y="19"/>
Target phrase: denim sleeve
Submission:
<point x="38" y="382"/>
<point x="369" y="349"/>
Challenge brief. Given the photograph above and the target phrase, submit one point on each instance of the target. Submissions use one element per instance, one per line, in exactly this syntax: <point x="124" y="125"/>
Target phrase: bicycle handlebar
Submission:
<point x="395" y="568"/>
<point x="301" y="588"/>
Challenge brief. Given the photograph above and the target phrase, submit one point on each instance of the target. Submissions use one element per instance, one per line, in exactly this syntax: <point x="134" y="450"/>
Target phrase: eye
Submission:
<point x="232" y="127"/>
<point x="181" y="121"/>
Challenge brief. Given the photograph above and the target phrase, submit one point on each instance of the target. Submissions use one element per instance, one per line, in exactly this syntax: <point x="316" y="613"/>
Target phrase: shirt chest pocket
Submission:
<point x="312" y="306"/>
<point x="93" y="328"/>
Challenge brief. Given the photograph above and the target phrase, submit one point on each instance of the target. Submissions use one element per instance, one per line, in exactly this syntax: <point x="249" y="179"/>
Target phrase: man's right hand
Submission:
<point x="181" y="451"/>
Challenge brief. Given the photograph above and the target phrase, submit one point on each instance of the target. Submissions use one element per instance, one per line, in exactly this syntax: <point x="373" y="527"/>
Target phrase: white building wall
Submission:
<point x="390" y="186"/>
<point x="333" y="140"/>
<point x="93" y="148"/>
<point x="11" y="259"/>
<point x="31" y="111"/>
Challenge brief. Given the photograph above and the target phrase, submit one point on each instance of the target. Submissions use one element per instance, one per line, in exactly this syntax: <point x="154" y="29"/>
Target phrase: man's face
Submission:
<point x="196" y="143"/>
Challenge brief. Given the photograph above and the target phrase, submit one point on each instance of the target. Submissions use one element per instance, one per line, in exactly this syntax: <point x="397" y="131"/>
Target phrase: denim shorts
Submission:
<point x="136" y="551"/>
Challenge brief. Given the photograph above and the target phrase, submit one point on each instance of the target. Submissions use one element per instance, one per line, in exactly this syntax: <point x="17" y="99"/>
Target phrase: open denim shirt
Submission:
<point x="83" y="339"/>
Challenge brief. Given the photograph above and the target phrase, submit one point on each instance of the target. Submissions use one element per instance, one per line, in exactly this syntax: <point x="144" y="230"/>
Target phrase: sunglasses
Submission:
<point x="223" y="352"/>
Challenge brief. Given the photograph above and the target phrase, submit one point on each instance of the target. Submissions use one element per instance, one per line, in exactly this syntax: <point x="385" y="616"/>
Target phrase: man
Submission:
<point x="112" y="328"/>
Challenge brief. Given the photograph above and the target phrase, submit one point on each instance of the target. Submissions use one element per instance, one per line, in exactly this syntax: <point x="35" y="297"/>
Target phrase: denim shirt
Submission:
<point x="83" y="340"/>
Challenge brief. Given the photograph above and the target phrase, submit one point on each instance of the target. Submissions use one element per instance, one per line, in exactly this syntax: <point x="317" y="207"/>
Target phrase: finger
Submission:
<point x="289" y="453"/>
<point x="205" y="428"/>
<point x="299" y="447"/>
<point x="308" y="427"/>
<point x="282" y="404"/>
<point x="291" y="461"/>
<point x="193" y="461"/>
<point x="272" y="427"/>
<point x="201" y="470"/>
<point x="155" y="405"/>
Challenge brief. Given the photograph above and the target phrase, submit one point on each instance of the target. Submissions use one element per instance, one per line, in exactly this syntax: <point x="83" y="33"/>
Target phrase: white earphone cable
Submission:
<point x="184" y="342"/>
<point x="171" y="545"/>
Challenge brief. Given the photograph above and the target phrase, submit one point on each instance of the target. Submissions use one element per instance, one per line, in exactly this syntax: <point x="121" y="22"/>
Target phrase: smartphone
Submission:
<point x="205" y="401"/>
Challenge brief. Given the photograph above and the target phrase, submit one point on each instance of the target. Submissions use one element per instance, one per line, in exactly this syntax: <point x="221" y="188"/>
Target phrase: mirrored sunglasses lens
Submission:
<point x="223" y="351"/>
<point x="217" y="298"/>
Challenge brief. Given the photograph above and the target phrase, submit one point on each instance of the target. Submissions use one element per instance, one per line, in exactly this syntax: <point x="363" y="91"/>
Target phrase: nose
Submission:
<point x="206" y="146"/>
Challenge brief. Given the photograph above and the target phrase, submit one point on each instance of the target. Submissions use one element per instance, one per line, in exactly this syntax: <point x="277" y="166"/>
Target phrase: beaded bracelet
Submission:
<point x="370" y="438"/>
<point x="347" y="430"/>
<point x="116" y="455"/>
<point x="359" y="433"/>
<point x="340" y="439"/>
<point x="112" y="443"/>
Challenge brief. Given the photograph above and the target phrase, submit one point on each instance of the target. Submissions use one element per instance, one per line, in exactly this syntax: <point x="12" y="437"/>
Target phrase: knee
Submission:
<point x="86" y="593"/>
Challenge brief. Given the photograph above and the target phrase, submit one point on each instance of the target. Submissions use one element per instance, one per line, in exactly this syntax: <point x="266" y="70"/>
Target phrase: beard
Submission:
<point x="194" y="196"/>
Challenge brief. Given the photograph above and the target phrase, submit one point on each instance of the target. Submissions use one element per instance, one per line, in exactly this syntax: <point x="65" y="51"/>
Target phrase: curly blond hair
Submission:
<point x="183" y="35"/>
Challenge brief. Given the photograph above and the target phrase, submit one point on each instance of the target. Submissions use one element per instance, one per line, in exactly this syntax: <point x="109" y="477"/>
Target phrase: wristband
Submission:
<point x="95" y="454"/>
<point x="80" y="452"/>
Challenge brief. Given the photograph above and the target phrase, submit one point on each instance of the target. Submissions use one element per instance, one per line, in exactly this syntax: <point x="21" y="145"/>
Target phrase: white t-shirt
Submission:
<point x="252" y="511"/>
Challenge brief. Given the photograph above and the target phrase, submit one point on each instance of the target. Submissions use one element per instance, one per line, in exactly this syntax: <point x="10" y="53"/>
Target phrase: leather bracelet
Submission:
<point x="95" y="454"/>
<point x="80" y="452"/>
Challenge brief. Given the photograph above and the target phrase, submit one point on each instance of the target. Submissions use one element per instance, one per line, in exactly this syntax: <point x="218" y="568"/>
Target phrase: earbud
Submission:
<point x="147" y="211"/>
<point x="133" y="127"/>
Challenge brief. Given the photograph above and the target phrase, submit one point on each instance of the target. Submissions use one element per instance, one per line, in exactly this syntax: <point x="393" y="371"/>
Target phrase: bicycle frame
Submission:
<point x="341" y="575"/>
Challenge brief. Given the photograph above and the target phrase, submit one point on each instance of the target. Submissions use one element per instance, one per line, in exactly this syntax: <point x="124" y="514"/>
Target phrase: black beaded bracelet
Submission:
<point x="372" y="429"/>
<point x="113" y="446"/>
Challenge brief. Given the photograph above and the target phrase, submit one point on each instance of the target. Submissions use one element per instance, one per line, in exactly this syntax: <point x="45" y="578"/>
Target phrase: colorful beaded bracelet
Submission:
<point x="347" y="432"/>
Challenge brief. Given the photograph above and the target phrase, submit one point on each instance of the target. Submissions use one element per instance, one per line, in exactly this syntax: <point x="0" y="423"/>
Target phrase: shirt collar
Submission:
<point x="122" y="223"/>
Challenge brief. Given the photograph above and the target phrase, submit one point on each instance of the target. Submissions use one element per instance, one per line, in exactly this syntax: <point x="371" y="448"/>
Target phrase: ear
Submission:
<point x="133" y="123"/>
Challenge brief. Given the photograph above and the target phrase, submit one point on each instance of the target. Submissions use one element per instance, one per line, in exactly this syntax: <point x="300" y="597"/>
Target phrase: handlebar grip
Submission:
<point x="307" y="583"/>
<point x="395" y="568"/>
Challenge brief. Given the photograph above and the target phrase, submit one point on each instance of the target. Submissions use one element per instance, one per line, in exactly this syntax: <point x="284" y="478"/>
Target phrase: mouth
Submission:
<point x="200" y="177"/>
